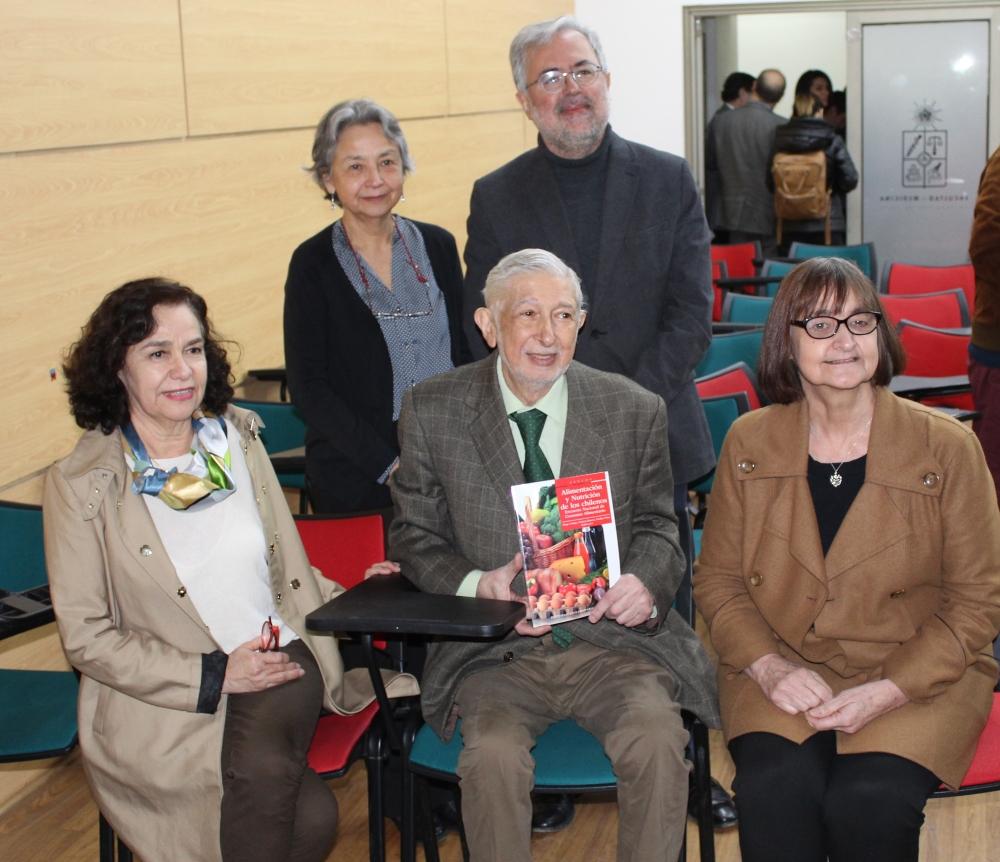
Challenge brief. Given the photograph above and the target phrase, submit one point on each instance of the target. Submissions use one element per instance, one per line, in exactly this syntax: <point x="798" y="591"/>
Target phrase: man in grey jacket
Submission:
<point x="739" y="152"/>
<point x="624" y="672"/>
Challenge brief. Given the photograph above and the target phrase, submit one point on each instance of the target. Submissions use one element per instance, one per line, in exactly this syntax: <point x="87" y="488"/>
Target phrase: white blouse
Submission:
<point x="220" y="555"/>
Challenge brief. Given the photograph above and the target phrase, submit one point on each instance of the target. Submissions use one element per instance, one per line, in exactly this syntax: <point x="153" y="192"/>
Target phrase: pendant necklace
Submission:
<point x="835" y="478"/>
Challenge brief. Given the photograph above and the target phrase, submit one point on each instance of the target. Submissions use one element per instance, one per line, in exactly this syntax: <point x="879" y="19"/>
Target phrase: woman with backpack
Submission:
<point x="809" y="192"/>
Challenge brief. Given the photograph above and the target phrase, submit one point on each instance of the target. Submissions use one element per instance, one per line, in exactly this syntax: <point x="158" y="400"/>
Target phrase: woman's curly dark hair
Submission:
<point x="97" y="397"/>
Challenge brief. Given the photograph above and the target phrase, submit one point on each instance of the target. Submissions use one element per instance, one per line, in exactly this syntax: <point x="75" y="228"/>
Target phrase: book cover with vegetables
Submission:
<point x="570" y="545"/>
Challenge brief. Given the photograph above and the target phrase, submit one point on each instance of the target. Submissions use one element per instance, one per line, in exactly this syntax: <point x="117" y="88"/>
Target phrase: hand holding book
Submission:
<point x="496" y="584"/>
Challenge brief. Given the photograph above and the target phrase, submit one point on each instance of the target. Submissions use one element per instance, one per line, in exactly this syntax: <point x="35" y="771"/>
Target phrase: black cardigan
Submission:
<point x="339" y="370"/>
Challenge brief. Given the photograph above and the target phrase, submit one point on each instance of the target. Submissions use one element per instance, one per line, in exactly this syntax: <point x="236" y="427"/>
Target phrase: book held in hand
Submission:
<point x="570" y="545"/>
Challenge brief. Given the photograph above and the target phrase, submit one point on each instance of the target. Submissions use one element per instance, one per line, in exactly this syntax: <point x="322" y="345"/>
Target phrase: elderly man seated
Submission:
<point x="624" y="672"/>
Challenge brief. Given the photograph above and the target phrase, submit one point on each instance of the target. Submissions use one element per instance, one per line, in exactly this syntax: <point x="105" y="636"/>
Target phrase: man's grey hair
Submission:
<point x="343" y="115"/>
<point x="528" y="260"/>
<point x="541" y="34"/>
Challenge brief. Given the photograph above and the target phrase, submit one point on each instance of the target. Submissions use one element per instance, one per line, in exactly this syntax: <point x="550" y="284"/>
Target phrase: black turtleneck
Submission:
<point x="581" y="187"/>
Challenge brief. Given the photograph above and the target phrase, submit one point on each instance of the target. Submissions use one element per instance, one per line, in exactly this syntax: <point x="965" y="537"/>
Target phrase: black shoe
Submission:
<point x="724" y="814"/>
<point x="551" y="813"/>
<point x="446" y="819"/>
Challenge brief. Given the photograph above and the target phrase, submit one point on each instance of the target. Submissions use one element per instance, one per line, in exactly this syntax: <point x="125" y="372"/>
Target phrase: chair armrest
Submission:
<point x="747" y="281"/>
<point x="25" y="610"/>
<point x="390" y="604"/>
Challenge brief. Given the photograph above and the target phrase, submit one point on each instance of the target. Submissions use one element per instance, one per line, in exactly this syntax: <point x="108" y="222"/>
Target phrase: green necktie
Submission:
<point x="530" y="423"/>
<point x="537" y="469"/>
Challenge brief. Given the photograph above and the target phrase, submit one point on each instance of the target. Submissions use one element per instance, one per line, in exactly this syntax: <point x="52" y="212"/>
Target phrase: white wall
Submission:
<point x="793" y="42"/>
<point x="644" y="42"/>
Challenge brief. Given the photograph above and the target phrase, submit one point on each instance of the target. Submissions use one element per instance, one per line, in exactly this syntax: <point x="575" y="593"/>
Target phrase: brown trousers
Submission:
<point x="624" y="700"/>
<point x="274" y="806"/>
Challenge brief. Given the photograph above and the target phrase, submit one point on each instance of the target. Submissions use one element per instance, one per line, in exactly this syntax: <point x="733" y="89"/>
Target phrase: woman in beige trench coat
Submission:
<point x="850" y="575"/>
<point x="163" y="620"/>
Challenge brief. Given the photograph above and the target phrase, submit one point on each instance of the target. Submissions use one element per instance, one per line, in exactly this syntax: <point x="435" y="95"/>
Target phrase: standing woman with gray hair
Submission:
<point x="372" y="307"/>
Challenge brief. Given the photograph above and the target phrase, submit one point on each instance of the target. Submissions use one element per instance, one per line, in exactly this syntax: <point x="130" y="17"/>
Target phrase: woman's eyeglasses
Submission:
<point x="270" y="635"/>
<point x="824" y="326"/>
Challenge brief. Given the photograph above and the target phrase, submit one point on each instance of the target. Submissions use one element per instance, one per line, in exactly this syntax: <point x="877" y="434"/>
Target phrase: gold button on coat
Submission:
<point x="182" y="591"/>
<point x="931" y="479"/>
<point x="146" y="551"/>
<point x="296" y="583"/>
<point x="746" y="466"/>
<point x="755" y="580"/>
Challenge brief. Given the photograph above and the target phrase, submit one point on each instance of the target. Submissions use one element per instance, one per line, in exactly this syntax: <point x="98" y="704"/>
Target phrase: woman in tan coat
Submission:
<point x="180" y="588"/>
<point x="850" y="575"/>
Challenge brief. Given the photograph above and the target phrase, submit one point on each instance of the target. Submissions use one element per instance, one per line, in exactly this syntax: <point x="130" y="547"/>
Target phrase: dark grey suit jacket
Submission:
<point x="713" y="182"/>
<point x="454" y="514"/>
<point x="739" y="153"/>
<point x="651" y="306"/>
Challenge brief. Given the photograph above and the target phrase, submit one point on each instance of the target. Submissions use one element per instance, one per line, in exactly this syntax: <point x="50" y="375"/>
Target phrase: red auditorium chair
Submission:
<point x="739" y="258"/>
<point x="342" y="548"/>
<point x="932" y="352"/>
<point x="984" y="773"/>
<point x="731" y="380"/>
<point x="945" y="309"/>
<point x="719" y="270"/>
<point x="913" y="278"/>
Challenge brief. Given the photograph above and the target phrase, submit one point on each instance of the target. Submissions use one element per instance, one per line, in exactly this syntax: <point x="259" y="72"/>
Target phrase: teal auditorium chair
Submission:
<point x="721" y="411"/>
<point x="728" y="348"/>
<point x="863" y="254"/>
<point x="568" y="759"/>
<point x="282" y="429"/>
<point x="775" y="270"/>
<point x="742" y="308"/>
<point x="37" y="707"/>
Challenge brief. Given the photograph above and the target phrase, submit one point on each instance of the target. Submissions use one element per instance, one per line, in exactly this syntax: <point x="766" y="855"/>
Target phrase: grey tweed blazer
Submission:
<point x="454" y="514"/>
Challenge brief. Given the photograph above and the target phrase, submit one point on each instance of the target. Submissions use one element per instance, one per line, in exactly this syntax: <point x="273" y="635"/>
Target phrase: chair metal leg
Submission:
<point x="107" y="840"/>
<point x="110" y="843"/>
<point x="374" y="764"/>
<point x="427" y="824"/>
<point x="461" y="826"/>
<point x="703" y="791"/>
<point x="408" y="840"/>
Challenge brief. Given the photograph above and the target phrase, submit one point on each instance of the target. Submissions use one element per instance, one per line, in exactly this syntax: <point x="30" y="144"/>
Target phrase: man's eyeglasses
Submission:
<point x="270" y="634"/>
<point x="552" y="81"/>
<point x="862" y="323"/>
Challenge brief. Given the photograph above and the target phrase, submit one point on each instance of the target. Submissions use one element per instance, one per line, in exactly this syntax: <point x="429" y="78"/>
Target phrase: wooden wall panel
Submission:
<point x="451" y="153"/>
<point x="479" y="37"/>
<point x="281" y="65"/>
<point x="73" y="74"/>
<point x="221" y="214"/>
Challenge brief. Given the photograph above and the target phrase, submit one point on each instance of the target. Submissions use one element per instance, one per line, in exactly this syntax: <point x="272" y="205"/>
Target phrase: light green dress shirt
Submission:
<point x="554" y="404"/>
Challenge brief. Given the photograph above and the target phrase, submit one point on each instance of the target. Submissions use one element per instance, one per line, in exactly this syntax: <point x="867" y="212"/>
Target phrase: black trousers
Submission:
<point x="274" y="807"/>
<point x="806" y="803"/>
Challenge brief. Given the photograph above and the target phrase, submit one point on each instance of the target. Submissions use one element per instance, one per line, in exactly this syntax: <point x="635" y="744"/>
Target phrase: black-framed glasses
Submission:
<point x="270" y="635"/>
<point x="552" y="80"/>
<point x="824" y="326"/>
